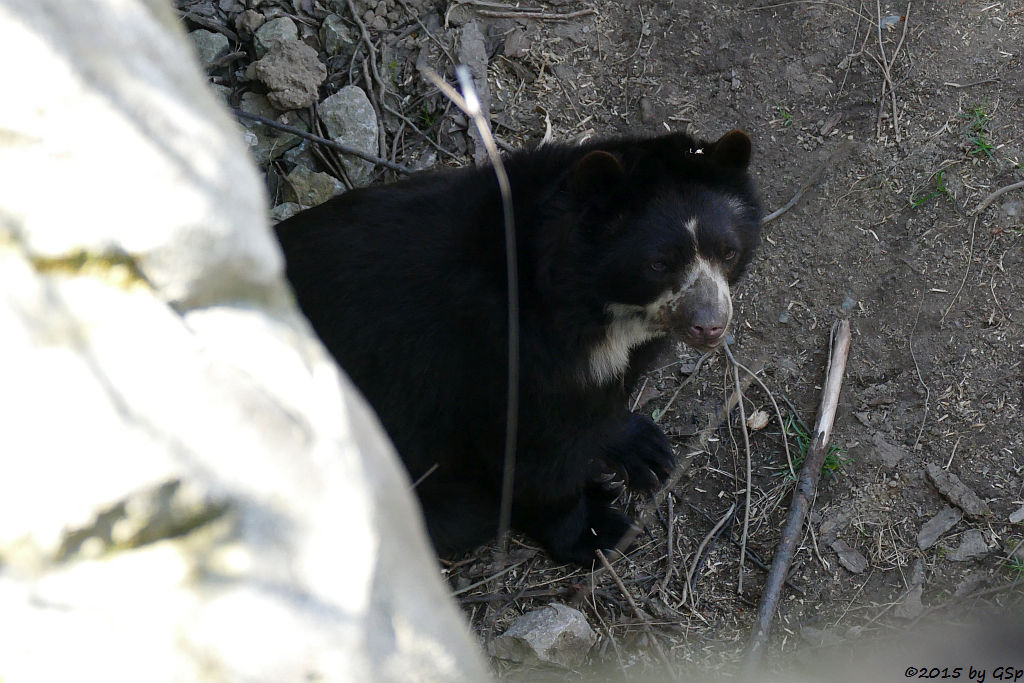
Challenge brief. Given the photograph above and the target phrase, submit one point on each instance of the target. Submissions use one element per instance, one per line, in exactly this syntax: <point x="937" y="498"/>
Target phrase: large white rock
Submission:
<point x="189" y="491"/>
<point x="92" y="90"/>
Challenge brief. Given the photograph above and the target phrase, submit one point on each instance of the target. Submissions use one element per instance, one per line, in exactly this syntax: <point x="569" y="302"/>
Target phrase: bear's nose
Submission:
<point x="709" y="333"/>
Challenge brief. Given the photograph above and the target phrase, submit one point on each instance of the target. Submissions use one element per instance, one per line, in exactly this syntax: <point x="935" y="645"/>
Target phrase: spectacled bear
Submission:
<point x="621" y="243"/>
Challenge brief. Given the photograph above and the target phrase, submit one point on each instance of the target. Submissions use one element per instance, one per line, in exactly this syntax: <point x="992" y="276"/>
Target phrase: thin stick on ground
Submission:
<point x="543" y="16"/>
<point x="640" y="614"/>
<point x="811" y="182"/>
<point x="371" y="57"/>
<point x="687" y="593"/>
<point x="778" y="413"/>
<point x="692" y="377"/>
<point x="343" y="148"/>
<point x="670" y="533"/>
<point x="695" y="446"/>
<point x="469" y="103"/>
<point x="802" y="495"/>
<point x="746" y="449"/>
<point x="920" y="377"/>
<point x="967" y="271"/>
<point x="996" y="195"/>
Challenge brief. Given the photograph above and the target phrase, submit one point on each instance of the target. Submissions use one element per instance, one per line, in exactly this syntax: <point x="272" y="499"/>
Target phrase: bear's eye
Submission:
<point x="659" y="266"/>
<point x="730" y="255"/>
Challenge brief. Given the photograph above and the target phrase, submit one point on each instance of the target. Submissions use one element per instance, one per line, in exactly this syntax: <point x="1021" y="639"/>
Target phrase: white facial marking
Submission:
<point x="691" y="227"/>
<point x="630" y="326"/>
<point x="722" y="286"/>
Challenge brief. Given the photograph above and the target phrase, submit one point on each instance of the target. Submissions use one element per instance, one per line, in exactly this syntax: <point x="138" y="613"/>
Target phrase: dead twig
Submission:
<point x="778" y="413"/>
<point x="341" y="147"/>
<point x="423" y="27"/>
<point x="692" y="377"/>
<point x="695" y="446"/>
<point x="886" y="66"/>
<point x="498" y="6"/>
<point x="669" y="535"/>
<point x="209" y="24"/>
<point x="984" y="81"/>
<point x="691" y="572"/>
<point x="750" y="553"/>
<point x="488" y="579"/>
<point x="967" y="271"/>
<point x="996" y="195"/>
<point x="542" y="16"/>
<point x="469" y="103"/>
<point x="746" y="448"/>
<point x="920" y="377"/>
<point x="805" y="489"/>
<point x="371" y="57"/>
<point x="640" y="614"/>
<point x="811" y="182"/>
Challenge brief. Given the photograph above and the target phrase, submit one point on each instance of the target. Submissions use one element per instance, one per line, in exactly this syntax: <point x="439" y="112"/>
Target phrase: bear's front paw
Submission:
<point x="644" y="455"/>
<point x="605" y="527"/>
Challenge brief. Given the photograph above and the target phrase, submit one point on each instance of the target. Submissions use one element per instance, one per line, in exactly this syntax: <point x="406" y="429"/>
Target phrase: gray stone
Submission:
<point x="310" y="188"/>
<point x="301" y="155"/>
<point x="350" y="120"/>
<point x="284" y="211"/>
<point x="517" y="44"/>
<point x="335" y="35"/>
<point x="270" y="33"/>
<point x="971" y="583"/>
<point x="910" y="606"/>
<point x="555" y="634"/>
<point x="972" y="546"/>
<point x="293" y="72"/>
<point x="885" y="452"/>
<point x="950" y="486"/>
<point x="837" y="519"/>
<point x="1018" y="516"/>
<point x="265" y="143"/>
<point x="944" y="520"/>
<point x="210" y="46"/>
<point x="175" y="479"/>
<point x="249" y="21"/>
<point x="1014" y="549"/>
<point x="849" y="557"/>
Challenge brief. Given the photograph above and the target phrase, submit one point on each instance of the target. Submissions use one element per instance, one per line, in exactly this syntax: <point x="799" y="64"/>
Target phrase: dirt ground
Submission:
<point x="898" y="120"/>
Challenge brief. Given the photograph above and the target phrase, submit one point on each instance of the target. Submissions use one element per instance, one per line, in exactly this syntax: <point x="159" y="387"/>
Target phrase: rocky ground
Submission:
<point x="898" y="124"/>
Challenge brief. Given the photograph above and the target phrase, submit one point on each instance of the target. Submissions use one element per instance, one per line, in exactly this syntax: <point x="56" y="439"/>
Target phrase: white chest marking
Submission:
<point x="631" y="326"/>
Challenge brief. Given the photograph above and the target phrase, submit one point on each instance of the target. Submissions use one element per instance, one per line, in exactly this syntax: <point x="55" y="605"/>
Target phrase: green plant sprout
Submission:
<point x="979" y="120"/>
<point x="835" y="458"/>
<point x="787" y="118"/>
<point x="940" y="189"/>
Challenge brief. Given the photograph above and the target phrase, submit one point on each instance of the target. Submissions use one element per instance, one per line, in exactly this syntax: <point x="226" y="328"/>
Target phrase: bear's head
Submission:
<point x="671" y="224"/>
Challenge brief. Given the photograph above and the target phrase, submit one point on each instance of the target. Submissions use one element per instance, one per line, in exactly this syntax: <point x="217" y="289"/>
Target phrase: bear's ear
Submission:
<point x="731" y="151"/>
<point x="596" y="174"/>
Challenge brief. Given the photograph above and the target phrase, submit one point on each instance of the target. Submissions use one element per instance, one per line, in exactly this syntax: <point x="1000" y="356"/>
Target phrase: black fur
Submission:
<point x="406" y="286"/>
